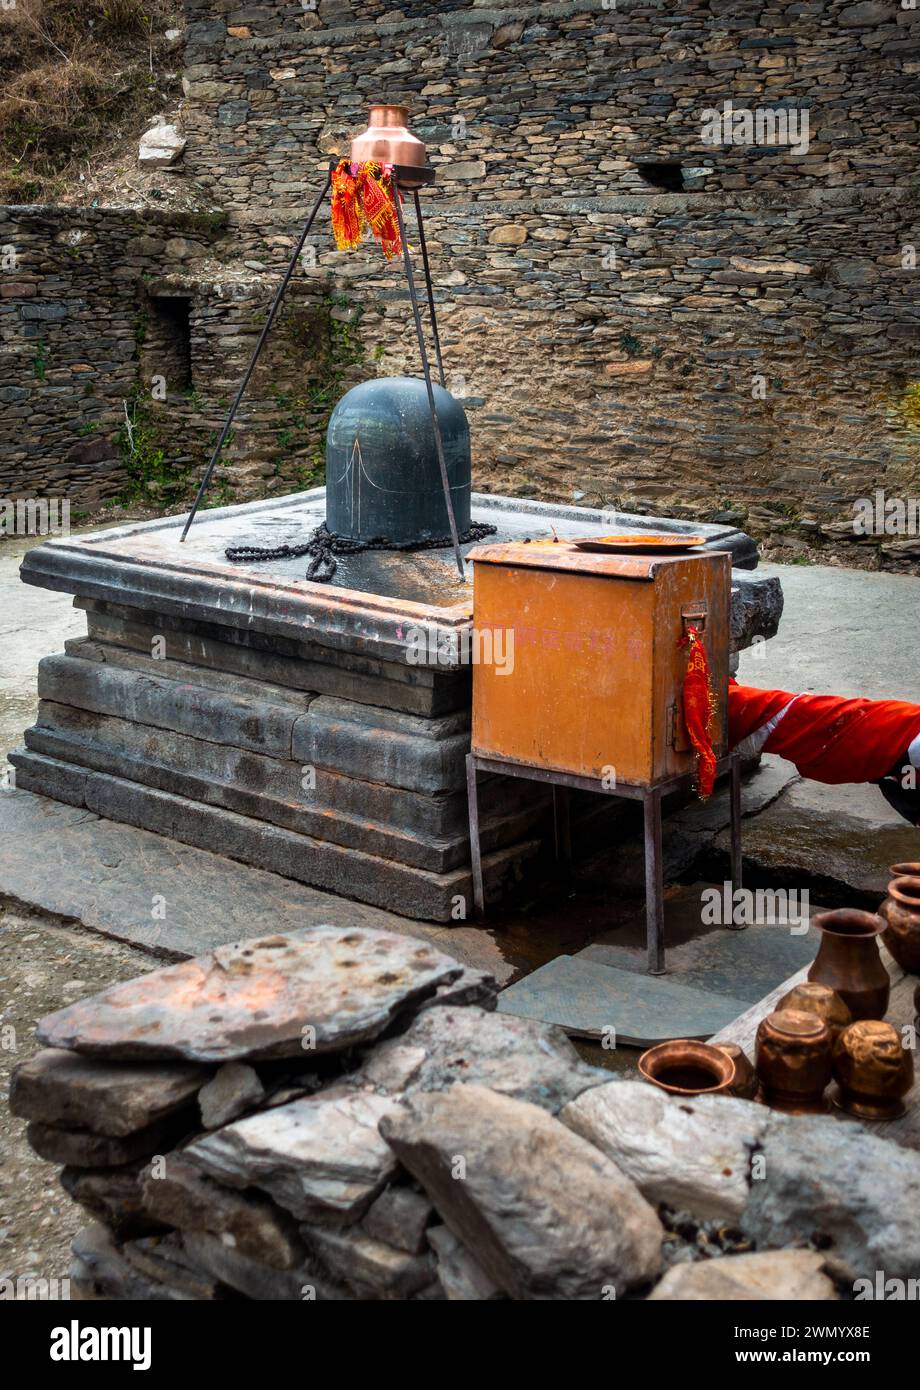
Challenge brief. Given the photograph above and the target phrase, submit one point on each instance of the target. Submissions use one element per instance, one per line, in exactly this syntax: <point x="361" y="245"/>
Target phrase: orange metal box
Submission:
<point x="593" y="683"/>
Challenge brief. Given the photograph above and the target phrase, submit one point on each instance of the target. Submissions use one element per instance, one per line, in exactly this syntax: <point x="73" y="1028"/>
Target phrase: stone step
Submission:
<point x="423" y="690"/>
<point x="363" y="741"/>
<point x="216" y="776"/>
<point x="411" y="892"/>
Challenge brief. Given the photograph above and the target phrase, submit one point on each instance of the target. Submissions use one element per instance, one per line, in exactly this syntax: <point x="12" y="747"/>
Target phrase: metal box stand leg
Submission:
<point x="654" y="881"/>
<point x="479" y="902"/>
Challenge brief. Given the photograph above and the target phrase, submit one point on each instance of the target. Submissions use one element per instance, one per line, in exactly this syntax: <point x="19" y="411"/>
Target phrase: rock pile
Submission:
<point x="339" y="1114"/>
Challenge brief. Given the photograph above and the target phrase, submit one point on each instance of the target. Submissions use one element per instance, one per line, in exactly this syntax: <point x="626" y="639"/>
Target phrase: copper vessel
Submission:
<point x="687" y="1068"/>
<point x="744" y="1081"/>
<point x="389" y="140"/>
<point x="848" y="960"/>
<point x="904" y="870"/>
<point x="901" y="914"/>
<point x="813" y="998"/>
<point x="873" y="1071"/>
<point x="794" y="1061"/>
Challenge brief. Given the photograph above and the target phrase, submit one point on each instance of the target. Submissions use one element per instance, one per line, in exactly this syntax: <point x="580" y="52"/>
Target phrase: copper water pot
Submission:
<point x="873" y="1071"/>
<point x="814" y="998"/>
<point x="685" y="1067"/>
<point x="389" y="140"/>
<point x="848" y="960"/>
<point x="794" y="1061"/>
<point x="744" y="1081"/>
<point x="901" y="914"/>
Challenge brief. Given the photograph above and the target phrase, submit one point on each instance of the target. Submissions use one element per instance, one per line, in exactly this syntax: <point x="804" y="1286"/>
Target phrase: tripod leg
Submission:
<point x="255" y="357"/>
<point x="438" y="441"/>
<point x="428" y="285"/>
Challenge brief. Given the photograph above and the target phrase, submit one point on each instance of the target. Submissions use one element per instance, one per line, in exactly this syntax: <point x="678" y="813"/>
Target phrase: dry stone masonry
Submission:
<point x="340" y="1114"/>
<point x="633" y="314"/>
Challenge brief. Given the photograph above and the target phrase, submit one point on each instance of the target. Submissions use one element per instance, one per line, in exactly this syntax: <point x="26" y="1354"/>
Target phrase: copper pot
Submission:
<point x="848" y="960"/>
<point x="873" y="1071"/>
<point x="794" y="1061"/>
<point x="901" y="913"/>
<point x="687" y="1068"/>
<point x="744" y="1081"/>
<point x="904" y="870"/>
<point x="389" y="140"/>
<point x="813" y="998"/>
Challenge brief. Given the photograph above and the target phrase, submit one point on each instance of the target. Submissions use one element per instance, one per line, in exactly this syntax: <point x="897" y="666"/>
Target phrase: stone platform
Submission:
<point x="280" y="722"/>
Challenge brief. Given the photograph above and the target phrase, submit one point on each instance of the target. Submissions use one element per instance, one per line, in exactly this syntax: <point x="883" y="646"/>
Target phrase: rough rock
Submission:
<point x="856" y="1194"/>
<point x="99" y="1270"/>
<point x="691" y="1154"/>
<point x="70" y="1091"/>
<point x="771" y="1275"/>
<point x="370" y="1267"/>
<point x="79" y="1148"/>
<point x="320" y="1158"/>
<point x="164" y="1258"/>
<point x="543" y="1212"/>
<point x="399" y="1217"/>
<point x="256" y="1280"/>
<point x="322" y="990"/>
<point x="518" y="1057"/>
<point x="182" y="1196"/>
<point x="160" y="146"/>
<point x="461" y="1278"/>
<point x="234" y="1088"/>
<point x="114" y="1196"/>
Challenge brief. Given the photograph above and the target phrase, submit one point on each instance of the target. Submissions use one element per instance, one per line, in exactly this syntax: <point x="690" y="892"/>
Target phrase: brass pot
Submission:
<point x="848" y="960"/>
<point x="794" y="1061"/>
<point x="389" y="140"/>
<point x="744" y="1081"/>
<point x="872" y="1070"/>
<point x="901" y="913"/>
<point x="820" y="1000"/>
<point x="687" y="1068"/>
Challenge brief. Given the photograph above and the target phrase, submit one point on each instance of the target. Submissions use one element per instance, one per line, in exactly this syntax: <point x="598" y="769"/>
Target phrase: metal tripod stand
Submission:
<point x="412" y="177"/>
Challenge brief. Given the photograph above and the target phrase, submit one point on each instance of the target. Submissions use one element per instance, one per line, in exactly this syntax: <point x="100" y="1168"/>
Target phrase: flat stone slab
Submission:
<point x="108" y="875"/>
<point x="65" y="1089"/>
<point x="378" y="595"/>
<point x="599" y="1001"/>
<point x="320" y="1158"/>
<point x="272" y="996"/>
<point x="742" y="964"/>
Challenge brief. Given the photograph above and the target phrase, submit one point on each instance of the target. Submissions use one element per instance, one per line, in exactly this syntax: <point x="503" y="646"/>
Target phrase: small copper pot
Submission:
<point x="901" y="914"/>
<point x="687" y="1068"/>
<point x="848" y="960"/>
<point x="744" y="1082"/>
<point x="872" y="1070"/>
<point x="794" y="1061"/>
<point x="811" y="998"/>
<point x="389" y="140"/>
<point x="904" y="870"/>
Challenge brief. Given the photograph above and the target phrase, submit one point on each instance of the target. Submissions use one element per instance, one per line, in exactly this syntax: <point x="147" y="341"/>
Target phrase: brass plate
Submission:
<point x="640" y="541"/>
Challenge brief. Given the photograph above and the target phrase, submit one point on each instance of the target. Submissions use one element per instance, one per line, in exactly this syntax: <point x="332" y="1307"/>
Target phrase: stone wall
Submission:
<point x="615" y="342"/>
<point x="106" y="313"/>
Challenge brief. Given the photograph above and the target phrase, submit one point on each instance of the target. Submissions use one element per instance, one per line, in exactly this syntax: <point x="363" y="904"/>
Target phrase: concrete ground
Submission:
<point x="75" y="890"/>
